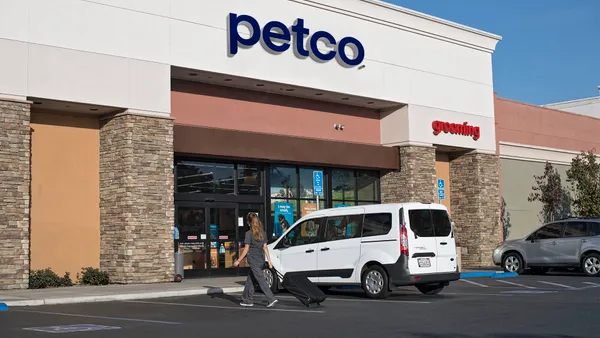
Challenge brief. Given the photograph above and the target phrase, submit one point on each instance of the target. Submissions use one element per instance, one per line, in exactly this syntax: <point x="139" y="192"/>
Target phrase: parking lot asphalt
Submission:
<point x="525" y="306"/>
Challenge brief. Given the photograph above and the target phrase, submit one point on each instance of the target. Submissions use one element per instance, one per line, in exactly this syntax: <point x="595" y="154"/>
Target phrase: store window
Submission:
<point x="208" y="178"/>
<point x="292" y="194"/>
<point x="204" y="177"/>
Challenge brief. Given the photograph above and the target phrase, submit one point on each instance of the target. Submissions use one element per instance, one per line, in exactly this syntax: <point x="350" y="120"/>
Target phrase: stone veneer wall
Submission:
<point x="475" y="207"/>
<point x="415" y="181"/>
<point x="136" y="199"/>
<point x="15" y="184"/>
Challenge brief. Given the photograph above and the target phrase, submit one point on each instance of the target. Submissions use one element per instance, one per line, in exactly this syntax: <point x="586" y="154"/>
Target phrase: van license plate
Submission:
<point x="424" y="262"/>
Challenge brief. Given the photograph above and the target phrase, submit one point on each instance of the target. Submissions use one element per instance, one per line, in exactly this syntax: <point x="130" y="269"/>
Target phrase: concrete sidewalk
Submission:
<point x="88" y="294"/>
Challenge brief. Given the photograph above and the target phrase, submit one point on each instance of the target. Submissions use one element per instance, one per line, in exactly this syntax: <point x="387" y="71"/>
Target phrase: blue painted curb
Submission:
<point x="490" y="274"/>
<point x="505" y="274"/>
<point x="3" y="307"/>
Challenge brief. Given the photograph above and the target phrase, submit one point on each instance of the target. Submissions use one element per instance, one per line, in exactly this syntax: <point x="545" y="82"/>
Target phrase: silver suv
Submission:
<point x="566" y="243"/>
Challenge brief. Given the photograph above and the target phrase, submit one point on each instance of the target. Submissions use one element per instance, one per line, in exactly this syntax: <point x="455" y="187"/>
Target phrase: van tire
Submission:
<point x="272" y="279"/>
<point x="429" y="289"/>
<point x="375" y="282"/>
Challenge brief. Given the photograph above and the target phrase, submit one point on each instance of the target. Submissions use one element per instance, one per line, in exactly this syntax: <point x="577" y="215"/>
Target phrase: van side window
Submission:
<point x="421" y="222"/>
<point x="343" y="227"/>
<point x="306" y="232"/>
<point x="441" y="223"/>
<point x="377" y="224"/>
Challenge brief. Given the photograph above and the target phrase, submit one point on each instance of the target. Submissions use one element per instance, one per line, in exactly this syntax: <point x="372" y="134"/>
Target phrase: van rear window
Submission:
<point x="377" y="224"/>
<point x="430" y="223"/>
<point x="420" y="222"/>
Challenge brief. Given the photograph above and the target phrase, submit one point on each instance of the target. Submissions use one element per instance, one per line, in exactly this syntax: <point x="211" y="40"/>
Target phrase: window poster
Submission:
<point x="284" y="217"/>
<point x="307" y="208"/>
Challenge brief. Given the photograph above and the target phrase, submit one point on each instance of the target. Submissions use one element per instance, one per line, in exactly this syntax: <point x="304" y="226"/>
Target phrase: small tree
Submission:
<point x="584" y="176"/>
<point x="550" y="192"/>
<point x="505" y="219"/>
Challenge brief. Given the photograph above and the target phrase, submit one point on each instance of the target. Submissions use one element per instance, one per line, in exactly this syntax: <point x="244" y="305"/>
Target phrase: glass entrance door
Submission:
<point x="211" y="236"/>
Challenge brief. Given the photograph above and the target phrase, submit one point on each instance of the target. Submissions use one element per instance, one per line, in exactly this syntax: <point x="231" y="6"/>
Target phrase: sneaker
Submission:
<point x="246" y="304"/>
<point x="271" y="304"/>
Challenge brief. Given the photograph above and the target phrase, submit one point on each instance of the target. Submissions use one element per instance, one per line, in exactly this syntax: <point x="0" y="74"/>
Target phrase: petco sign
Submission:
<point x="277" y="38"/>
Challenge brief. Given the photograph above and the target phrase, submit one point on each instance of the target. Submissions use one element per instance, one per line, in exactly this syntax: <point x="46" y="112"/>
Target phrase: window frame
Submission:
<point x="362" y="233"/>
<point x="560" y="233"/>
<point x="566" y="224"/>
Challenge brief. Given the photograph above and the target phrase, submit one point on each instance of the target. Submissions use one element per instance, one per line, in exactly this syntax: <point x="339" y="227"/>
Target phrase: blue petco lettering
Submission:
<point x="277" y="37"/>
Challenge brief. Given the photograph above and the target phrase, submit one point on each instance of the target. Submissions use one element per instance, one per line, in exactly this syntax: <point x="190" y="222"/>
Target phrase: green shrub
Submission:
<point x="92" y="276"/>
<point x="46" y="278"/>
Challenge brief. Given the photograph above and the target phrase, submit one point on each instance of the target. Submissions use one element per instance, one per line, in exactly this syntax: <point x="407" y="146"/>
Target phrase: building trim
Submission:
<point x="525" y="152"/>
<point x="572" y="103"/>
<point x="362" y="16"/>
<point x="138" y="113"/>
<point x="15" y="99"/>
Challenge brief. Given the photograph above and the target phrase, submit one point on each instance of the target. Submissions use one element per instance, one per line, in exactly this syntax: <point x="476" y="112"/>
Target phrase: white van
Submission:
<point x="377" y="247"/>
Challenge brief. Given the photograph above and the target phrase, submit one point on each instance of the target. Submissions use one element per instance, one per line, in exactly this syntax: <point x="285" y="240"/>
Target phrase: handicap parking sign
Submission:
<point x="441" y="183"/>
<point x="441" y="194"/>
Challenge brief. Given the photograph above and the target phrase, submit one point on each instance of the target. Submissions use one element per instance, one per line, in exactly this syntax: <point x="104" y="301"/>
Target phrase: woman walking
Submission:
<point x="255" y="247"/>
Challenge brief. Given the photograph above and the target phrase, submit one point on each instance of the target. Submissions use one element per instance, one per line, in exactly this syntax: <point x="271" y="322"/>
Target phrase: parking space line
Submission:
<point x="593" y="285"/>
<point x="474" y="283"/>
<point x="556" y="284"/>
<point x="99" y="317"/>
<point x="516" y="284"/>
<point x="225" y="307"/>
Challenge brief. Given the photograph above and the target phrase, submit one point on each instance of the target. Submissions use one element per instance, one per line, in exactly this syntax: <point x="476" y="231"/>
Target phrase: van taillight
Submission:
<point x="404" y="240"/>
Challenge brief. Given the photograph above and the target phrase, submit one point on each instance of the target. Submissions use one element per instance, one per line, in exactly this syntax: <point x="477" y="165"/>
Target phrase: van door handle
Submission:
<point x="553" y="243"/>
<point x="443" y="243"/>
<point x="324" y="249"/>
<point x="584" y="241"/>
<point x="310" y="250"/>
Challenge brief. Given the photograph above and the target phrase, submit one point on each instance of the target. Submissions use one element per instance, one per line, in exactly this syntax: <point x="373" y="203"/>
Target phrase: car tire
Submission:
<point x="590" y="264"/>
<point x="272" y="280"/>
<point x="429" y="289"/>
<point x="512" y="262"/>
<point x="375" y="282"/>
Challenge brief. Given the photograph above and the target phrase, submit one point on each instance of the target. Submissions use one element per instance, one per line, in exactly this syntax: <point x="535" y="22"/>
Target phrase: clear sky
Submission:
<point x="550" y="49"/>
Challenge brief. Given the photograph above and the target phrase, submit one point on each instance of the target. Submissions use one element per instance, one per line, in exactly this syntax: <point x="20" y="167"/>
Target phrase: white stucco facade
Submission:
<point x="120" y="53"/>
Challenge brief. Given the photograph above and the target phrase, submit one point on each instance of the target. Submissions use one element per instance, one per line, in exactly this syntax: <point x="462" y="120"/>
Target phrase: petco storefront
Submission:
<point x="133" y="124"/>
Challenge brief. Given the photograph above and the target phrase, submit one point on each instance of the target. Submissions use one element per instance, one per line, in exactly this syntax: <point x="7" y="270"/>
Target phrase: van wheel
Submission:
<point x="272" y="281"/>
<point x="375" y="282"/>
<point x="430" y="289"/>
<point x="590" y="265"/>
<point x="513" y="262"/>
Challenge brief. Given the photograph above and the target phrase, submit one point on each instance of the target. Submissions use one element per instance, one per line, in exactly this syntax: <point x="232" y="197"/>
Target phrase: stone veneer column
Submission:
<point x="136" y="198"/>
<point x="415" y="181"/>
<point x="15" y="184"/>
<point x="475" y="208"/>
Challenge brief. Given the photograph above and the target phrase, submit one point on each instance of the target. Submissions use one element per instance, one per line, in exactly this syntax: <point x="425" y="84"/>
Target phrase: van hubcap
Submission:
<point x="374" y="282"/>
<point x="268" y="276"/>
<point x="511" y="264"/>
<point x="592" y="265"/>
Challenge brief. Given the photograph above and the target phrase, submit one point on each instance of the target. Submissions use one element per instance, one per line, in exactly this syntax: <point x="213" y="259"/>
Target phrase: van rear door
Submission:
<point x="444" y="237"/>
<point x="422" y="244"/>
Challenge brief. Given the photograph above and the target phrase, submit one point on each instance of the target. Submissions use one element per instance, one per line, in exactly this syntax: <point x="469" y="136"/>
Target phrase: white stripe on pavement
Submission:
<point x="99" y="317"/>
<point x="515" y="284"/>
<point x="474" y="283"/>
<point x="594" y="285"/>
<point x="556" y="284"/>
<point x="254" y="308"/>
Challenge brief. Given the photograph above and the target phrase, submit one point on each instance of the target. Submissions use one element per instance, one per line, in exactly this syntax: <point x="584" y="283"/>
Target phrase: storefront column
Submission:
<point x="415" y="181"/>
<point x="475" y="209"/>
<point x="136" y="198"/>
<point x="15" y="185"/>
